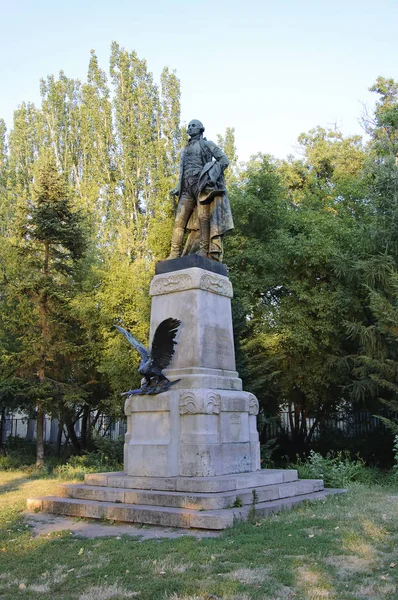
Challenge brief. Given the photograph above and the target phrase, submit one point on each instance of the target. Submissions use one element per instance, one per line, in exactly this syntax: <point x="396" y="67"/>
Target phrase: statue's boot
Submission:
<point x="176" y="243"/>
<point x="204" y="241"/>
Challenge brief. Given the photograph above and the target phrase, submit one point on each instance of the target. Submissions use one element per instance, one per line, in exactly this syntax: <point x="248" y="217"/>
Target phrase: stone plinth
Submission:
<point x="197" y="432"/>
<point x="191" y="454"/>
<point x="197" y="502"/>
<point x="201" y="300"/>
<point x="205" y="425"/>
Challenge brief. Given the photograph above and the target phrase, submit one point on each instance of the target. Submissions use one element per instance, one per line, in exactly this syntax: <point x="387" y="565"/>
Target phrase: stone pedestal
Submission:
<point x="205" y="425"/>
<point x="199" y="432"/>
<point x="191" y="454"/>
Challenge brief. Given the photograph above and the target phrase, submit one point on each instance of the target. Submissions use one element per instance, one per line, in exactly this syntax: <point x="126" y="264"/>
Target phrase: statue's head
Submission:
<point x="195" y="127"/>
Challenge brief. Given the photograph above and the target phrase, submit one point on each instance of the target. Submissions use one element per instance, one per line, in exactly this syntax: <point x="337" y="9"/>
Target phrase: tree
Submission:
<point x="294" y="220"/>
<point x="227" y="145"/>
<point x="383" y="125"/>
<point x="374" y="274"/>
<point x="52" y="241"/>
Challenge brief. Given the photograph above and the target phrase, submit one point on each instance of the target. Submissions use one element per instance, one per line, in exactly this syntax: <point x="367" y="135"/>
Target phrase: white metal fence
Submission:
<point x="25" y="428"/>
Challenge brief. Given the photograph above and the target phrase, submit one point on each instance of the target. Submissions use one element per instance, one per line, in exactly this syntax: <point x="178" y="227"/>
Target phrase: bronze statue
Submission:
<point x="203" y="206"/>
<point x="155" y="360"/>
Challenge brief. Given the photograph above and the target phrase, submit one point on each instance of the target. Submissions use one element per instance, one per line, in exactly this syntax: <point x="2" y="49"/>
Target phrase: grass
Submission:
<point x="344" y="548"/>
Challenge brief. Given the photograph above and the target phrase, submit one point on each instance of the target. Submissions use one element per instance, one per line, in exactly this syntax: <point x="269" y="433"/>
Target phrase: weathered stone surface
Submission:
<point x="192" y="501"/>
<point x="171" y="516"/>
<point x="200" y="377"/>
<point x="34" y="504"/>
<point x="221" y="483"/>
<point x="197" y="432"/>
<point x="201" y="301"/>
<point x="84" y="492"/>
<point x="101" y="478"/>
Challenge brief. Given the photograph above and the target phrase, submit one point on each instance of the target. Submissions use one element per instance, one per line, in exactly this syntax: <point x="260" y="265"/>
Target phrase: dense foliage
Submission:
<point x="85" y="213"/>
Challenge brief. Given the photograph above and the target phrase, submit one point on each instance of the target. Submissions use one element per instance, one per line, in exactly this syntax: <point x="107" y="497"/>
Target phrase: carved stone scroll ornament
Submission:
<point x="212" y="403"/>
<point x="128" y="406"/>
<point x="198" y="403"/>
<point x="254" y="406"/>
<point x="217" y="285"/>
<point x="188" y="403"/>
<point x="170" y="284"/>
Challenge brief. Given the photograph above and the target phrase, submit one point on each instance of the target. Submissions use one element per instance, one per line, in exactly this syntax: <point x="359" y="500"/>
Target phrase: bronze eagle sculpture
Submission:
<point x="156" y="359"/>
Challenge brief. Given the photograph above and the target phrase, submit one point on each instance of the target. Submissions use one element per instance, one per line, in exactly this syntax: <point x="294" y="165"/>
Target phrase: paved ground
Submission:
<point x="44" y="524"/>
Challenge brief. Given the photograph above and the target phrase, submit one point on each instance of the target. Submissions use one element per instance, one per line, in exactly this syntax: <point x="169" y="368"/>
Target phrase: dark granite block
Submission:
<point x="191" y="260"/>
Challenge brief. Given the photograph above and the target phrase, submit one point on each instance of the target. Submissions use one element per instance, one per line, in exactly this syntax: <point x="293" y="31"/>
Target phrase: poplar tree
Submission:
<point x="115" y="145"/>
<point x="227" y="144"/>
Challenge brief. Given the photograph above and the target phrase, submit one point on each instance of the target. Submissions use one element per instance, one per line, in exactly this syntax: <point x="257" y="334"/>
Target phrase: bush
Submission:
<point x="21" y="455"/>
<point x="108" y="450"/>
<point x="78" y="466"/>
<point x="18" y="454"/>
<point x="108" y="456"/>
<point x="395" y="466"/>
<point x="336" y="469"/>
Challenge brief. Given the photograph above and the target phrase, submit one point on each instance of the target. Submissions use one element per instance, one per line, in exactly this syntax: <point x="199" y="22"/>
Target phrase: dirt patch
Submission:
<point x="250" y="575"/>
<point x="310" y="581"/>
<point x="168" y="565"/>
<point x="106" y="592"/>
<point x="351" y="564"/>
<point x="374" y="590"/>
<point x="213" y="597"/>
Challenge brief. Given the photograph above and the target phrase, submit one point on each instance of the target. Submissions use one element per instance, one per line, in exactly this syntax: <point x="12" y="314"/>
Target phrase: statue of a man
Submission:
<point x="203" y="206"/>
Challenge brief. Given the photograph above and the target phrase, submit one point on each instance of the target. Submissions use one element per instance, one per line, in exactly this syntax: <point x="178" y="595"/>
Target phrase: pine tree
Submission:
<point x="52" y="241"/>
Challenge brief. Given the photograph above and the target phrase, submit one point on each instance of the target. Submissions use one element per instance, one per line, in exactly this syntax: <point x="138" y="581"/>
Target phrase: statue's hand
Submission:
<point x="174" y="192"/>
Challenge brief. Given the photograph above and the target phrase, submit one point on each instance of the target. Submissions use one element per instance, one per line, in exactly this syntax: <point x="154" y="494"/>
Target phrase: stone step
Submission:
<point x="223" y="483"/>
<point x="197" y="501"/>
<point x="165" y="516"/>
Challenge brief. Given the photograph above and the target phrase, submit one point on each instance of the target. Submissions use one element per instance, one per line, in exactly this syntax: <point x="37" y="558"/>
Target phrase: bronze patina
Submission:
<point x="203" y="207"/>
<point x="156" y="359"/>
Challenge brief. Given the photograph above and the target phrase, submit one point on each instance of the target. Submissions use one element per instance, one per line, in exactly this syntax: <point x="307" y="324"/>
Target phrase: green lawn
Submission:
<point x="345" y="548"/>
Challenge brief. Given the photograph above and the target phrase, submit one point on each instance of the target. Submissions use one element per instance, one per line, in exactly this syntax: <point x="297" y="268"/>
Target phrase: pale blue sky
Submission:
<point x="270" y="69"/>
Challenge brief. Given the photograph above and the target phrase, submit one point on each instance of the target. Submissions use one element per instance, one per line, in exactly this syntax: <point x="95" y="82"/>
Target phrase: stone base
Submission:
<point x="201" y="432"/>
<point x="177" y="501"/>
<point x="191" y="454"/>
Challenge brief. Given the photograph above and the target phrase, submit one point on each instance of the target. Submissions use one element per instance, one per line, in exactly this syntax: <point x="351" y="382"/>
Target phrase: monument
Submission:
<point x="192" y="452"/>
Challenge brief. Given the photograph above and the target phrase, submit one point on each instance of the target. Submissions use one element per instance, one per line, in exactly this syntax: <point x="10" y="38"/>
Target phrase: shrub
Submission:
<point x="18" y="454"/>
<point x="395" y="450"/>
<point x="336" y="469"/>
<point x="108" y="450"/>
<point x="78" y="466"/>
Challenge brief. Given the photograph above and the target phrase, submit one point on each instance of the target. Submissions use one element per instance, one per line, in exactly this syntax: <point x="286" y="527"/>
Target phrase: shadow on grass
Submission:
<point x="13" y="485"/>
<point x="339" y="548"/>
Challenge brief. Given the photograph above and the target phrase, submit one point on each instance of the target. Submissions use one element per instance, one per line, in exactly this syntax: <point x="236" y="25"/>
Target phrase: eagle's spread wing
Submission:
<point x="163" y="343"/>
<point x="145" y="354"/>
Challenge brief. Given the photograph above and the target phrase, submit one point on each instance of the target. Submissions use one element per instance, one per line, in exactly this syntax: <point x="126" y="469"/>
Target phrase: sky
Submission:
<point x="270" y="69"/>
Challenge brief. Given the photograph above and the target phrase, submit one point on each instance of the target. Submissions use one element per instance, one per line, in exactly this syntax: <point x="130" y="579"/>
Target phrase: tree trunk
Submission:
<point x="2" y="422"/>
<point x="72" y="435"/>
<point x="53" y="431"/>
<point x="59" y="438"/>
<point x="40" y="437"/>
<point x="311" y="432"/>
<point x="85" y="430"/>
<point x="30" y="430"/>
<point x="291" y="422"/>
<point x="43" y="308"/>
